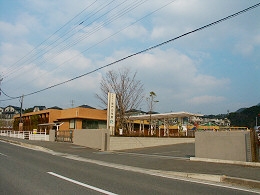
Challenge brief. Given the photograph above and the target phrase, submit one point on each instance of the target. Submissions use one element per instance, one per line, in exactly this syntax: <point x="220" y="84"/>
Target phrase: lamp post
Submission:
<point x="21" y="110"/>
<point x="151" y="103"/>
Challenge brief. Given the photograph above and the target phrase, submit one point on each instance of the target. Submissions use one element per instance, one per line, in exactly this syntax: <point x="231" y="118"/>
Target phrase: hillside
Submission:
<point x="245" y="117"/>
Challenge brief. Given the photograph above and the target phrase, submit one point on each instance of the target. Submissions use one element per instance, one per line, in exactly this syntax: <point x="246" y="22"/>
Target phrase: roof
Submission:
<point x="40" y="107"/>
<point x="163" y="116"/>
<point x="15" y="107"/>
<point x="86" y="106"/>
<point x="50" y="124"/>
<point x="56" y="108"/>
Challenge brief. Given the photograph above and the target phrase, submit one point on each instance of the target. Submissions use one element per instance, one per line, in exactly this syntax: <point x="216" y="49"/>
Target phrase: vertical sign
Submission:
<point x="111" y="112"/>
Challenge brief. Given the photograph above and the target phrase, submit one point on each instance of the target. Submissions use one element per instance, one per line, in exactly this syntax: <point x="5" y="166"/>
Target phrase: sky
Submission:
<point x="211" y="71"/>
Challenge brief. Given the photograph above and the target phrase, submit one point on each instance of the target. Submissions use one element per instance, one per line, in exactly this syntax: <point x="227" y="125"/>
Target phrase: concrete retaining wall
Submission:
<point x="100" y="139"/>
<point x="92" y="138"/>
<point x="223" y="145"/>
<point x="52" y="135"/>
<point x="123" y="143"/>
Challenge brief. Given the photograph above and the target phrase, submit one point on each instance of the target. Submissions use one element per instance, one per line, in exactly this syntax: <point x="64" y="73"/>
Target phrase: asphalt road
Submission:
<point x="25" y="171"/>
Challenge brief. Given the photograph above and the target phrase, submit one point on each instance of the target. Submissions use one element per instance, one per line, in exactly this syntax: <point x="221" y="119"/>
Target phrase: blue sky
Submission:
<point x="209" y="72"/>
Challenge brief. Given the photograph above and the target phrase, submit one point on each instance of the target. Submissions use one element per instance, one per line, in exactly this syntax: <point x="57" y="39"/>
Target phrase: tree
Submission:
<point x="245" y="118"/>
<point x="128" y="90"/>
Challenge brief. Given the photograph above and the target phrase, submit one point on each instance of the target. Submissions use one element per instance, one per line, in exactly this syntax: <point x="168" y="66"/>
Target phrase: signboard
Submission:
<point x="111" y="112"/>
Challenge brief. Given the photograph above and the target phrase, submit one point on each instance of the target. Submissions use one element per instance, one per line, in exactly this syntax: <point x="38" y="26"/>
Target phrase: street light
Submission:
<point x="151" y="103"/>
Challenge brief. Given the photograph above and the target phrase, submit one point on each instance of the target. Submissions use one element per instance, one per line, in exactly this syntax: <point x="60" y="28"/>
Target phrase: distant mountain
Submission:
<point x="240" y="110"/>
<point x="245" y="117"/>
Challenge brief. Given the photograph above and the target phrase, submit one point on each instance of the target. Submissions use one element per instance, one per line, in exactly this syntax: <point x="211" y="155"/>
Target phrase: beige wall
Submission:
<point x="92" y="138"/>
<point x="84" y="113"/>
<point x="52" y="135"/>
<point x="227" y="145"/>
<point x="123" y="143"/>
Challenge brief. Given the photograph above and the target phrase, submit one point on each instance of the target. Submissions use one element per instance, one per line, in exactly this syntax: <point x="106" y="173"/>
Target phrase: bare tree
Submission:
<point x="128" y="90"/>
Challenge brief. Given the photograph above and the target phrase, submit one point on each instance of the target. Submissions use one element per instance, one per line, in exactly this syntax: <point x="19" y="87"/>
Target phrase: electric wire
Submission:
<point x="133" y="5"/>
<point x="38" y="56"/>
<point x="96" y="44"/>
<point x="11" y="70"/>
<point x="114" y="17"/>
<point x="142" y="51"/>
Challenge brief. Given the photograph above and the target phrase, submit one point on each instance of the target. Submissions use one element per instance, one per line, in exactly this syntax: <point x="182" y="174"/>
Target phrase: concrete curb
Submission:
<point x="34" y="147"/>
<point x="252" y="164"/>
<point x="243" y="182"/>
<point x="217" y="178"/>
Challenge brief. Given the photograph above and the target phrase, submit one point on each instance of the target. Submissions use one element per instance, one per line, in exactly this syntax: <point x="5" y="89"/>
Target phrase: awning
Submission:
<point x="164" y="116"/>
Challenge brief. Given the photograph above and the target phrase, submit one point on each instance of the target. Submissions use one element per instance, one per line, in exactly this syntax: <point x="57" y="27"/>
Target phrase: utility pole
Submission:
<point x="72" y="103"/>
<point x="21" y="110"/>
<point x="1" y="79"/>
<point x="151" y="102"/>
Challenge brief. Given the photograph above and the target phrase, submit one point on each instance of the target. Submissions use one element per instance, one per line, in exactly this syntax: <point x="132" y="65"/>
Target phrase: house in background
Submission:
<point x="38" y="108"/>
<point x="6" y="116"/>
<point x="10" y="111"/>
<point x="1" y="111"/>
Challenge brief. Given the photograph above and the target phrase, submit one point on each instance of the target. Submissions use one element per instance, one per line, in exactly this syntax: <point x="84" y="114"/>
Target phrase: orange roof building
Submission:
<point x="72" y="118"/>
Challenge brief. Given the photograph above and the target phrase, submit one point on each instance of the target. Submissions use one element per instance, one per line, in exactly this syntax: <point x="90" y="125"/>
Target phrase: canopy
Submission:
<point x="164" y="116"/>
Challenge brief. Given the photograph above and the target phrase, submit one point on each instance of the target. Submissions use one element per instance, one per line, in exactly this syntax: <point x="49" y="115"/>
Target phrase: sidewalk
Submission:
<point x="172" y="159"/>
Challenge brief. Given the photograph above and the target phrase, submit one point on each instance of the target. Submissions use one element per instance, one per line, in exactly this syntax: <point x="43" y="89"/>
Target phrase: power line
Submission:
<point x="92" y="46"/>
<point x="1" y="91"/>
<point x="11" y="70"/>
<point x="144" y="50"/>
<point x="112" y="18"/>
<point x="39" y="55"/>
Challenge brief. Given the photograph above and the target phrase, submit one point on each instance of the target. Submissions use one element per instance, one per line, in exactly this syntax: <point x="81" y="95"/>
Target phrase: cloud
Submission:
<point x="197" y="69"/>
<point x="206" y="100"/>
<point x="171" y="68"/>
<point x="11" y="31"/>
<point x="174" y="77"/>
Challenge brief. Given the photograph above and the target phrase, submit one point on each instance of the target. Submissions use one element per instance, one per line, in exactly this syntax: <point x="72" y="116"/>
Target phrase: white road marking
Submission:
<point x="2" y="154"/>
<point x="81" y="184"/>
<point x="163" y="174"/>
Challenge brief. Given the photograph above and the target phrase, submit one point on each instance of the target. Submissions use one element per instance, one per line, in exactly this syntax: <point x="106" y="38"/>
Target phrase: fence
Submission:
<point x="25" y="135"/>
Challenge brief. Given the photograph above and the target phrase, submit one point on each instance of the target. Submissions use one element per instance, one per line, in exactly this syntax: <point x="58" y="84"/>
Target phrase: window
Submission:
<point x="72" y="123"/>
<point x="93" y="124"/>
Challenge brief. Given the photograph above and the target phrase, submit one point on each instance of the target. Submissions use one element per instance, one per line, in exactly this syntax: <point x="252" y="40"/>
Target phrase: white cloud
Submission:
<point x="188" y="71"/>
<point x="135" y="31"/>
<point x="10" y="31"/>
<point x="206" y="100"/>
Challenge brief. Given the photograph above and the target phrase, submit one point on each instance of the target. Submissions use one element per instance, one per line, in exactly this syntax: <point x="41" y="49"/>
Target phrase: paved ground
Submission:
<point x="174" y="158"/>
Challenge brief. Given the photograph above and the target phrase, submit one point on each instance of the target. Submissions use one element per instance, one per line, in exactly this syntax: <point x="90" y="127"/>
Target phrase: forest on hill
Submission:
<point x="243" y="117"/>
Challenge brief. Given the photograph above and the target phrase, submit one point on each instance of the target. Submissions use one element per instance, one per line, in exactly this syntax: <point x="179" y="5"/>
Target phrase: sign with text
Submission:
<point x="111" y="109"/>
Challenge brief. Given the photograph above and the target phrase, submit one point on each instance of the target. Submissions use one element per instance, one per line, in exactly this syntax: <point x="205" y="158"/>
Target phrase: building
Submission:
<point x="1" y="110"/>
<point x="38" y="108"/>
<point x="165" y="124"/>
<point x="67" y="119"/>
<point x="9" y="112"/>
<point x="6" y="116"/>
